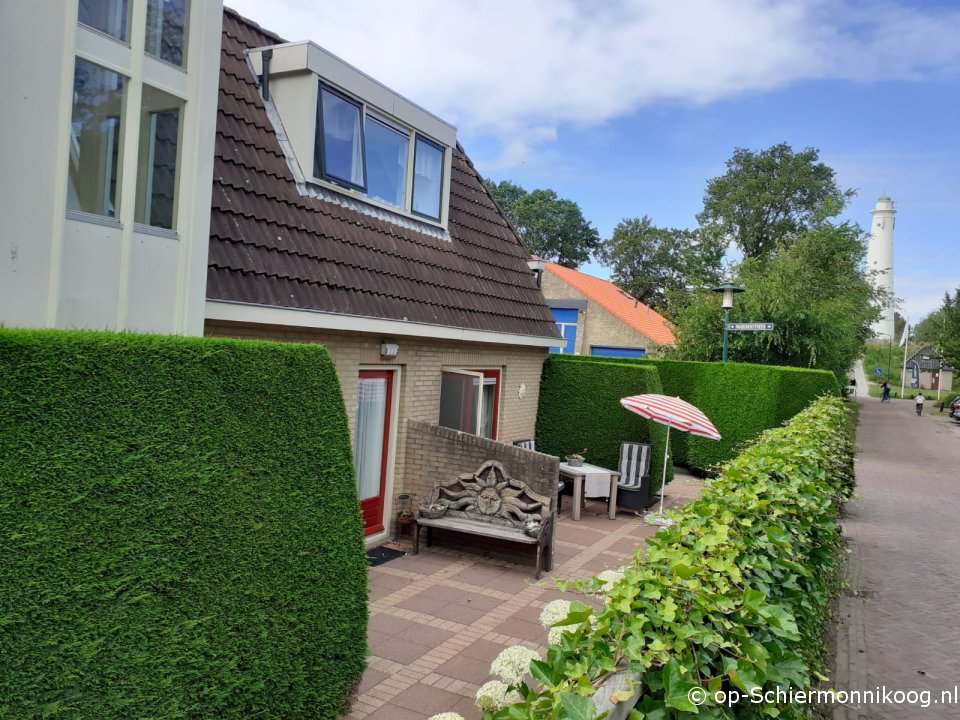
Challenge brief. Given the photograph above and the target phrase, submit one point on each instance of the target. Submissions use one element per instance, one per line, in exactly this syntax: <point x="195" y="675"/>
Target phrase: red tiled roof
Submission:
<point x="270" y="245"/>
<point x="632" y="312"/>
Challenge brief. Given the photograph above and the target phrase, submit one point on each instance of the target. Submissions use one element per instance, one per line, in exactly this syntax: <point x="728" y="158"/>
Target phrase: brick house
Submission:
<point x="344" y="214"/>
<point x="595" y="317"/>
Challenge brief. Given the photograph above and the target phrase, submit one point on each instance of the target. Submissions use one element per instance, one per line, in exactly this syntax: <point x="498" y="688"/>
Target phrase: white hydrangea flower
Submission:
<point x="554" y="611"/>
<point x="494" y="695"/>
<point x="553" y="637"/>
<point x="513" y="664"/>
<point x="610" y="578"/>
<point x="446" y="716"/>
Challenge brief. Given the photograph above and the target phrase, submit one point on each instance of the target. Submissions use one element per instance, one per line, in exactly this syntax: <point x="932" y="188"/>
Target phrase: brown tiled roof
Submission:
<point x="269" y="245"/>
<point x="642" y="318"/>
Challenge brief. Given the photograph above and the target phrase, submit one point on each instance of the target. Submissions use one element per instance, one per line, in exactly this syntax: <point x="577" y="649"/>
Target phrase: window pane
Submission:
<point x="341" y="139"/>
<point x="95" y="135"/>
<point x="488" y="407"/>
<point x="427" y="178"/>
<point x="167" y="29"/>
<point x="386" y="162"/>
<point x="459" y="398"/>
<point x="108" y="16"/>
<point x="157" y="161"/>
<point x="369" y="440"/>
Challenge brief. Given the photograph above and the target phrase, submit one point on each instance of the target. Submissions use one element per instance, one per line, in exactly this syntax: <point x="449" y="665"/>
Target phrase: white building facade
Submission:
<point x="109" y="125"/>
<point x="880" y="260"/>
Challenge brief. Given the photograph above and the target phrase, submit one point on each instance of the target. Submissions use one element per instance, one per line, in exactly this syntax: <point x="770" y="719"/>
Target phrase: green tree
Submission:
<point x="770" y="197"/>
<point x="950" y="328"/>
<point x="821" y="302"/>
<point x="656" y="265"/>
<point x="549" y="226"/>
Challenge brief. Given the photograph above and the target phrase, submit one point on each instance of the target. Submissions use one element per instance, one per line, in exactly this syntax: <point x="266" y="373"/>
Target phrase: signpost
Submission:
<point x="750" y="327"/>
<point x="878" y="371"/>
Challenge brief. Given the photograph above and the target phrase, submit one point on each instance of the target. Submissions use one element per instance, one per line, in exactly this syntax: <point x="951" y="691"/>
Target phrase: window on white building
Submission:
<point x="158" y="158"/>
<point x="167" y="30"/>
<point x="111" y="17"/>
<point x="96" y="131"/>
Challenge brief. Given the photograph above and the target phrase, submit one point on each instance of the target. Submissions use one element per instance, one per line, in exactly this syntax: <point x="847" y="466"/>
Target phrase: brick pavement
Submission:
<point x="439" y="619"/>
<point x="901" y="628"/>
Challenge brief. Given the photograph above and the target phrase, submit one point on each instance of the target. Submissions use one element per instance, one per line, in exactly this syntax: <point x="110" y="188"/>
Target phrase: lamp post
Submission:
<point x="728" y="290"/>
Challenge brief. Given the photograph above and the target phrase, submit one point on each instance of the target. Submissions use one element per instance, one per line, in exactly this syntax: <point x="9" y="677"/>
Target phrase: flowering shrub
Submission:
<point x="495" y="695"/>
<point x="513" y="664"/>
<point x="734" y="596"/>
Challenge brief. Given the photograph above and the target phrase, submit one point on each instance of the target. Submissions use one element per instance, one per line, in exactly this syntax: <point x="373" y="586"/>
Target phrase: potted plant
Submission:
<point x="576" y="459"/>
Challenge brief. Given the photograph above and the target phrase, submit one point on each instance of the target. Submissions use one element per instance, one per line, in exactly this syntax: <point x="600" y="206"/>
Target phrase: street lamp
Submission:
<point x="728" y="290"/>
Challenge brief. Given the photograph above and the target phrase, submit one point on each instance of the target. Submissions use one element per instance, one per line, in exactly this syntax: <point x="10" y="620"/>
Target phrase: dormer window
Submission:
<point x="363" y="150"/>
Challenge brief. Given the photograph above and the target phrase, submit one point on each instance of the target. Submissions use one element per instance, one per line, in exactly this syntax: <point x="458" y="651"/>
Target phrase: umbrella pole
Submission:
<point x="663" y="481"/>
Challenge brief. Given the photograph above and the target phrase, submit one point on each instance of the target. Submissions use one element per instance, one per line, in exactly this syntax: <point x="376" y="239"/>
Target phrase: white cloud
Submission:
<point x="518" y="71"/>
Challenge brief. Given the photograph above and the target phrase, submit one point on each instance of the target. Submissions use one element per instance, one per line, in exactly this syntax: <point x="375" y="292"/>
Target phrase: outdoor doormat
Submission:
<point x="380" y="555"/>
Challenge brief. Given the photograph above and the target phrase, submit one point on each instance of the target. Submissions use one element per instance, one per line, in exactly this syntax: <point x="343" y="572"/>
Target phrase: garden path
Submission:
<point x="901" y="615"/>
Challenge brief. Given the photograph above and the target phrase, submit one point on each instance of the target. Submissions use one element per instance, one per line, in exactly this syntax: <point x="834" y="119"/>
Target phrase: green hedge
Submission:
<point x="741" y="400"/>
<point x="179" y="529"/>
<point x="580" y="408"/>
<point x="734" y="598"/>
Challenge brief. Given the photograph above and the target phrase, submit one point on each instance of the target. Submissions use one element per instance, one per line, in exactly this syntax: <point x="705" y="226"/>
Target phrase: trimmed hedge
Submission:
<point x="741" y="400"/>
<point x="726" y="606"/>
<point x="580" y="408"/>
<point x="181" y="535"/>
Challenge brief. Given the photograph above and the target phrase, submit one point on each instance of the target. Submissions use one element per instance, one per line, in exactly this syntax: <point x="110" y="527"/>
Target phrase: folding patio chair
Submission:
<point x="633" y="489"/>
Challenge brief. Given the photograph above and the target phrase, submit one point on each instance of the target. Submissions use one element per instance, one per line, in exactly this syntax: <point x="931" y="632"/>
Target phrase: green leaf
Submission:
<point x="577" y="707"/>
<point x="545" y="673"/>
<point x="676" y="688"/>
<point x="578" y="614"/>
<point x="682" y="570"/>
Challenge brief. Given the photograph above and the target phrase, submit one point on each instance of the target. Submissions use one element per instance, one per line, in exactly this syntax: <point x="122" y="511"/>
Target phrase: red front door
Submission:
<point x="371" y="444"/>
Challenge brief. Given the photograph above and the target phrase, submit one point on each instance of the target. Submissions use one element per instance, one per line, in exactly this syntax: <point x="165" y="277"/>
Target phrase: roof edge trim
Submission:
<point x="230" y="311"/>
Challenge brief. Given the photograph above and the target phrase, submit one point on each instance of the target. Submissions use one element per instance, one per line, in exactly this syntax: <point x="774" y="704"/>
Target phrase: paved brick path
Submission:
<point x="902" y="616"/>
<point x="439" y="619"/>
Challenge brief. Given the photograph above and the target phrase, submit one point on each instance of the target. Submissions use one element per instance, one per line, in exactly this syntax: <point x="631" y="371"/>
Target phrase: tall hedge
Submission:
<point x="741" y="400"/>
<point x="179" y="529"/>
<point x="580" y="408"/>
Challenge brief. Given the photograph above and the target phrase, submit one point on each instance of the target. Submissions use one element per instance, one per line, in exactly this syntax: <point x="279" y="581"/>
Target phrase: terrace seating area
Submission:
<point x="438" y="619"/>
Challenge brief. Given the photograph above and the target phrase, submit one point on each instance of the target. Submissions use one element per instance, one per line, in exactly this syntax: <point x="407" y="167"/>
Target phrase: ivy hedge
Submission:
<point x="580" y="408"/>
<point x="179" y="528"/>
<point x="725" y="607"/>
<point x="741" y="400"/>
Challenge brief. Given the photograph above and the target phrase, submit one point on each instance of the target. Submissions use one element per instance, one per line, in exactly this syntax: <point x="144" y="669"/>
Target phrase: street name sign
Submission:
<point x="751" y="327"/>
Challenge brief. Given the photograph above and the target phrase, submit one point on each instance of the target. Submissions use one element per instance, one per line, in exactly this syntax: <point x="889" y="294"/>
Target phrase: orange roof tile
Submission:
<point x="632" y="312"/>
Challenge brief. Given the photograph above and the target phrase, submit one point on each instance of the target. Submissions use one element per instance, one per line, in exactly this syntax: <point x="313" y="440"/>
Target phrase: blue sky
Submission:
<point x="629" y="106"/>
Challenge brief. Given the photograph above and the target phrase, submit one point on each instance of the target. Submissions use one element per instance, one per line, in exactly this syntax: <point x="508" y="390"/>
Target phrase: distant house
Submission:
<point x="595" y="317"/>
<point x="923" y="371"/>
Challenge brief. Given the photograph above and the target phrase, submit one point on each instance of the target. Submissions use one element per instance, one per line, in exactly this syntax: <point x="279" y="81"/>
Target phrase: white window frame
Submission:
<point x="477" y="372"/>
<point x="366" y="109"/>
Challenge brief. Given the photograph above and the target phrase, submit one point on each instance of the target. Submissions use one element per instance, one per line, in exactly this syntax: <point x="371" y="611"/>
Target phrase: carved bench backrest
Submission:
<point x="490" y="494"/>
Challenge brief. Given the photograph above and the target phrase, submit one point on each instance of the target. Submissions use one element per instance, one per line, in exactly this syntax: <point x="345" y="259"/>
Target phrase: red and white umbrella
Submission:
<point x="674" y="413"/>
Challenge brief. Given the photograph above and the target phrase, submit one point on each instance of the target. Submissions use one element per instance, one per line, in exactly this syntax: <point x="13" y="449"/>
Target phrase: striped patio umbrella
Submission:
<point x="676" y="414"/>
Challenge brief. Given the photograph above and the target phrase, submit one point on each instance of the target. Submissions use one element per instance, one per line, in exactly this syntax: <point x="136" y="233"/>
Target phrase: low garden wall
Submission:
<point x="732" y="599"/>
<point x="181" y="531"/>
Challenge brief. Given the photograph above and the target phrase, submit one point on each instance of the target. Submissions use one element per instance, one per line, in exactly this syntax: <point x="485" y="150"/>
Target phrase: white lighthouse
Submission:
<point x="880" y="260"/>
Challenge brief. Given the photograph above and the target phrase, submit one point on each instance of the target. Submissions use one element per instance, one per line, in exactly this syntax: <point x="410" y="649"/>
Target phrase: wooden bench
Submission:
<point x="489" y="503"/>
